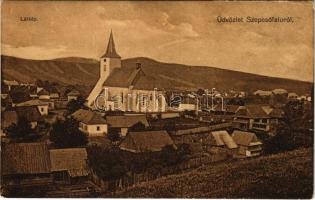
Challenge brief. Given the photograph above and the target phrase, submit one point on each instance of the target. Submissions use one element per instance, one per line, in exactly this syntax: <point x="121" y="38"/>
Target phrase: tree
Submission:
<point x="171" y="156"/>
<point x="21" y="132"/>
<point x="75" y="105"/>
<point x="138" y="127"/>
<point x="113" y="134"/>
<point x="66" y="134"/>
<point x="292" y="132"/>
<point x="200" y="92"/>
<point x="20" y="94"/>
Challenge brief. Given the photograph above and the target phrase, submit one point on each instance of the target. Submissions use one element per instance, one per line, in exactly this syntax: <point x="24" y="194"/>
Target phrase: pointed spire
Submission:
<point x="111" y="51"/>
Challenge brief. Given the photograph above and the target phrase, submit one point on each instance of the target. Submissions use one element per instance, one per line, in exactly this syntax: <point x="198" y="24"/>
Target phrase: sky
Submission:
<point x="176" y="32"/>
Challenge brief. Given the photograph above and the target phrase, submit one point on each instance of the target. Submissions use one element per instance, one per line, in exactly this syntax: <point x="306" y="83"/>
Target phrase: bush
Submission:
<point x="21" y="132"/>
<point x="292" y="132"/>
<point x="66" y="134"/>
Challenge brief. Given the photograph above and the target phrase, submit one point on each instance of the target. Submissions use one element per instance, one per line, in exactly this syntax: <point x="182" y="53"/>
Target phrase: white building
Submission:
<point x="91" y="122"/>
<point x="43" y="107"/>
<point x="125" y="88"/>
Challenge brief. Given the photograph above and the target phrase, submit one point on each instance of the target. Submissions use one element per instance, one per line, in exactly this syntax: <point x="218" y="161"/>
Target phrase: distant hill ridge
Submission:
<point x="85" y="71"/>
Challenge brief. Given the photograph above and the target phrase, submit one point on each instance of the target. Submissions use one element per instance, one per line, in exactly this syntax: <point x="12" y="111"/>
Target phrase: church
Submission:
<point x="125" y="88"/>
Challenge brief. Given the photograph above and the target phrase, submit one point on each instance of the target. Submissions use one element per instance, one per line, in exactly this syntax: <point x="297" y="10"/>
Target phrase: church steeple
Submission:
<point x="111" y="50"/>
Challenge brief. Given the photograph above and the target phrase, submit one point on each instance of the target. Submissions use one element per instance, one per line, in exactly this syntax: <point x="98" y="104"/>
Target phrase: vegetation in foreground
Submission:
<point x="284" y="175"/>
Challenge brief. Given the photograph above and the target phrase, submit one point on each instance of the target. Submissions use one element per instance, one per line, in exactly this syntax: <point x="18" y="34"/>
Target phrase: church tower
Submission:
<point x="110" y="60"/>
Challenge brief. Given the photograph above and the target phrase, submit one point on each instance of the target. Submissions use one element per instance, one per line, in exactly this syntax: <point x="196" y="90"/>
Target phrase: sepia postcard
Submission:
<point x="157" y="99"/>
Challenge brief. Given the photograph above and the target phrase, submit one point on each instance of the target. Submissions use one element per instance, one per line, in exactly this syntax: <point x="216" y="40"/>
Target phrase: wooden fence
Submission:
<point x="135" y="178"/>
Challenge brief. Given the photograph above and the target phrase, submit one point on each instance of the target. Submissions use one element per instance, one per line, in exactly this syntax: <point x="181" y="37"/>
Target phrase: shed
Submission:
<point x="248" y="143"/>
<point x="223" y="139"/>
<point x="25" y="164"/>
<point x="147" y="141"/>
<point x="124" y="122"/>
<point x="25" y="158"/>
<point x="67" y="164"/>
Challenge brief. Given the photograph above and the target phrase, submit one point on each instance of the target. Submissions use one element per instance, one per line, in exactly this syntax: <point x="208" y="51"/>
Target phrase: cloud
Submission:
<point x="183" y="29"/>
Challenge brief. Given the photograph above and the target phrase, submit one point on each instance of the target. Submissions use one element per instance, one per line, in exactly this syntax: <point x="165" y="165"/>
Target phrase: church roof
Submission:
<point x="143" y="78"/>
<point x="111" y="51"/>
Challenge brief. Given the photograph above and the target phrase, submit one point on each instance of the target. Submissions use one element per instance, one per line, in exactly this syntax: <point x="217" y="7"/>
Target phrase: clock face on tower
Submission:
<point x="104" y="60"/>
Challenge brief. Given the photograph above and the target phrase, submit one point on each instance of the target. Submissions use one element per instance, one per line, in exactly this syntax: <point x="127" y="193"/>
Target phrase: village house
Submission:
<point x="10" y="84"/>
<point x="126" y="88"/>
<point x="69" y="165"/>
<point x="41" y="105"/>
<point x="249" y="145"/>
<point x="257" y="117"/>
<point x="31" y="114"/>
<point x="43" y="94"/>
<point x="25" y="164"/>
<point x="146" y="141"/>
<point x="73" y="95"/>
<point x="223" y="140"/>
<point x="123" y="123"/>
<point x="292" y="95"/>
<point x="91" y="122"/>
<point x="262" y="93"/>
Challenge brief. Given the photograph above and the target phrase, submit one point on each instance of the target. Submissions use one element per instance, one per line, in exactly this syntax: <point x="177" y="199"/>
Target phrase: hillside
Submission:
<point x="84" y="71"/>
<point x="285" y="175"/>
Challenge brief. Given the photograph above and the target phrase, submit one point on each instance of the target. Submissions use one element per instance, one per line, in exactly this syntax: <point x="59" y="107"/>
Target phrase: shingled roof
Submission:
<point x="111" y="50"/>
<point x="33" y="102"/>
<point x="126" y="121"/>
<point x="144" y="78"/>
<point x="30" y="113"/>
<point x="73" y="92"/>
<point x="244" y="138"/>
<point x="88" y="117"/>
<point x="73" y="160"/>
<point x="252" y="111"/>
<point x="147" y="141"/>
<point x="25" y="158"/>
<point x="222" y="138"/>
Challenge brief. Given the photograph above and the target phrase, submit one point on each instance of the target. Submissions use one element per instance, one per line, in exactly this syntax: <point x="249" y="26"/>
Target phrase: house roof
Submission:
<point x="43" y="92"/>
<point x="147" y="141"/>
<point x="280" y="91"/>
<point x="227" y="108"/>
<point x="7" y="82"/>
<point x="252" y="111"/>
<point x="33" y="102"/>
<point x="276" y="113"/>
<point x="244" y="138"/>
<point x="262" y="93"/>
<point x="88" y="117"/>
<point x="292" y="94"/>
<point x="73" y="92"/>
<point x="73" y="160"/>
<point x="8" y="118"/>
<point x="222" y="138"/>
<point x="111" y="50"/>
<point x="232" y="108"/>
<point x="30" y="113"/>
<point x="25" y="158"/>
<point x="126" y="121"/>
<point x="143" y="78"/>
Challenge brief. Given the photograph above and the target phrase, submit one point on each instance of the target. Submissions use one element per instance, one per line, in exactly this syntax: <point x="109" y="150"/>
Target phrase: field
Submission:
<point x="285" y="175"/>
